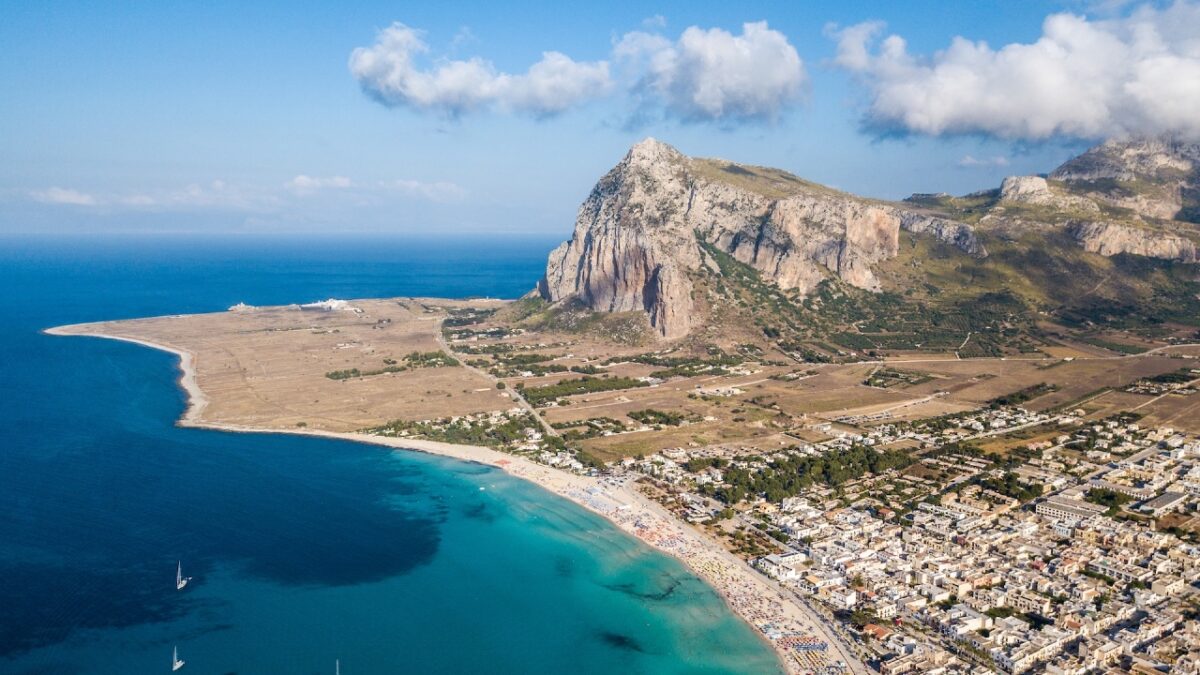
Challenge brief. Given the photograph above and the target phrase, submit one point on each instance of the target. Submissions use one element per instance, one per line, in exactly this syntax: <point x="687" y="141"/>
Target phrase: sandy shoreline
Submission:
<point x="771" y="613"/>
<point x="197" y="401"/>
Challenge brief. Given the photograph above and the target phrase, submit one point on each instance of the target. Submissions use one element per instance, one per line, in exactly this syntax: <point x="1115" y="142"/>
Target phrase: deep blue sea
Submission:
<point x="303" y="550"/>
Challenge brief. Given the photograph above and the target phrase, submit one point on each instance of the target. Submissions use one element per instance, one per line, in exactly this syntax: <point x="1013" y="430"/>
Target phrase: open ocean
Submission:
<point x="302" y="550"/>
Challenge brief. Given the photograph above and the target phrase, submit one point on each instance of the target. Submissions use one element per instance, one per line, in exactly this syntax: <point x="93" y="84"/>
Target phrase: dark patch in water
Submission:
<point x="470" y="469"/>
<point x="480" y="511"/>
<point x="631" y="589"/>
<point x="296" y="512"/>
<point x="621" y="642"/>
<point x="564" y="567"/>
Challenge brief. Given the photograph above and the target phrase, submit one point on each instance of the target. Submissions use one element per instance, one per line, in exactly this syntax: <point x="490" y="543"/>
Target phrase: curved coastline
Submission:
<point x="744" y="591"/>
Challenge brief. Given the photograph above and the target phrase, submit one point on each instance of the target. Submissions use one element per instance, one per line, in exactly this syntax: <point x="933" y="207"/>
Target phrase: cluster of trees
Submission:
<point x="583" y="385"/>
<point x="788" y="475"/>
<point x="698" y="464"/>
<point x="1111" y="498"/>
<point x="1176" y="377"/>
<point x="508" y="365"/>
<point x="1021" y="396"/>
<point x="351" y="373"/>
<point x="659" y="417"/>
<point x="685" y="366"/>
<point x="589" y="428"/>
<point x="467" y="316"/>
<point x="504" y="435"/>
<point x="1011" y="485"/>
<point x="437" y="359"/>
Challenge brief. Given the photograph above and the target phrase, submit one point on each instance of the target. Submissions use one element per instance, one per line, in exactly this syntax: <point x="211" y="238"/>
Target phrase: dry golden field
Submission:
<point x="267" y="368"/>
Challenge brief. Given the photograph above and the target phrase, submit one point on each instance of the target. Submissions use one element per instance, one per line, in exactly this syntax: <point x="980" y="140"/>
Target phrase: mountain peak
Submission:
<point x="1152" y="177"/>
<point x="640" y="235"/>
<point x="1132" y="158"/>
<point x="650" y="150"/>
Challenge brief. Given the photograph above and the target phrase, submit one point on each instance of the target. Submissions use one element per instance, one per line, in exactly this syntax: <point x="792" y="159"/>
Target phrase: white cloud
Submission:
<point x="972" y="162"/>
<point x="1083" y="78"/>
<point x="57" y="195"/>
<point x="220" y="195"/>
<point x="438" y="191"/>
<point x="713" y="75"/>
<point x="389" y="71"/>
<point x="303" y="184"/>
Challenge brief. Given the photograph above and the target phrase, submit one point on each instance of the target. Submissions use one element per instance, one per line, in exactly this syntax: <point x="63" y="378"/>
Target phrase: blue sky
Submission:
<point x="222" y="117"/>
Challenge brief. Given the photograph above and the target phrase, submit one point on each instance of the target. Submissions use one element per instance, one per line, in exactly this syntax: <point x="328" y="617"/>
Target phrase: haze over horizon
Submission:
<point x="382" y="119"/>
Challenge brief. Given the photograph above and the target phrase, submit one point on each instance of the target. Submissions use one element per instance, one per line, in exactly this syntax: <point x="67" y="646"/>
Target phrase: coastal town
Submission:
<point x="1080" y="557"/>
<point x="917" y="513"/>
<point x="607" y="338"/>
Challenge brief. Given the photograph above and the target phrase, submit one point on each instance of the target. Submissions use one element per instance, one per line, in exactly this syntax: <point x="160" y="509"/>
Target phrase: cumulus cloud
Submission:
<point x="713" y="75"/>
<point x="704" y="75"/>
<point x="972" y="162"/>
<point x="391" y="71"/>
<point x="1083" y="78"/>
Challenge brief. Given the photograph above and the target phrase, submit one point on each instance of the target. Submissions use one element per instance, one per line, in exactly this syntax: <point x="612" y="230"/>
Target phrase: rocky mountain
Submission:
<point x="646" y="236"/>
<point x="1125" y="196"/>
<point x="1150" y="178"/>
<point x="635" y="244"/>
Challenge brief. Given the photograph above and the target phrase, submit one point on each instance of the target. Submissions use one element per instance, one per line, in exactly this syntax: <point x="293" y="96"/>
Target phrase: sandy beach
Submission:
<point x="791" y="629"/>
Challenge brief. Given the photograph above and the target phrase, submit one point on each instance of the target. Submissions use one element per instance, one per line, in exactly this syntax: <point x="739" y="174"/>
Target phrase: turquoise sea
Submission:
<point x="303" y="551"/>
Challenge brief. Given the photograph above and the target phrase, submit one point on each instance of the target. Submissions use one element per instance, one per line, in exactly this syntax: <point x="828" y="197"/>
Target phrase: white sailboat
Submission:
<point x="337" y="667"/>
<point x="180" y="580"/>
<point x="176" y="662"/>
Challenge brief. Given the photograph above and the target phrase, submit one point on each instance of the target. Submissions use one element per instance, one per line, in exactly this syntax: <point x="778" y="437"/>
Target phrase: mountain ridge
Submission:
<point x="634" y="243"/>
<point x="641" y="238"/>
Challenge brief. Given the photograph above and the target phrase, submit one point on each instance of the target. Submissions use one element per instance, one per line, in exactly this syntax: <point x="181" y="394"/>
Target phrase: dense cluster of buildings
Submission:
<point x="940" y="568"/>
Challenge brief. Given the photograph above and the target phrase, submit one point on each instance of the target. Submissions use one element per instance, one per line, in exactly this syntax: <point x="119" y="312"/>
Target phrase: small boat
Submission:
<point x="176" y="662"/>
<point x="180" y="580"/>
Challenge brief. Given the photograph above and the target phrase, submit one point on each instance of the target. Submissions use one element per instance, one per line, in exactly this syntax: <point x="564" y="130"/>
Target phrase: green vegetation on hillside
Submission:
<point x="629" y="328"/>
<point x="982" y="324"/>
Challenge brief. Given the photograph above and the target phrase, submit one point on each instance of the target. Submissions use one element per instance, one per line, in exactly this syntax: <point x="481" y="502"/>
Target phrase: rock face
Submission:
<point x="637" y="239"/>
<point x="1036" y="191"/>
<point x="1154" y="178"/>
<point x="635" y="243"/>
<point x="1111" y="239"/>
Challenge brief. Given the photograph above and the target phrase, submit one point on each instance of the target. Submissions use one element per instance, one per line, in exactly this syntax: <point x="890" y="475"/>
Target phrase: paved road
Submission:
<point x="512" y="393"/>
<point x="1193" y="383"/>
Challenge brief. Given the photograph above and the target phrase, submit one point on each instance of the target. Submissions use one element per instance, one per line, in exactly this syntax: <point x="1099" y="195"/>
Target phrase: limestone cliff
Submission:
<point x="1128" y="196"/>
<point x="635" y="243"/>
<point x="1112" y="238"/>
<point x="1036" y="191"/>
<point x="1153" y="178"/>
